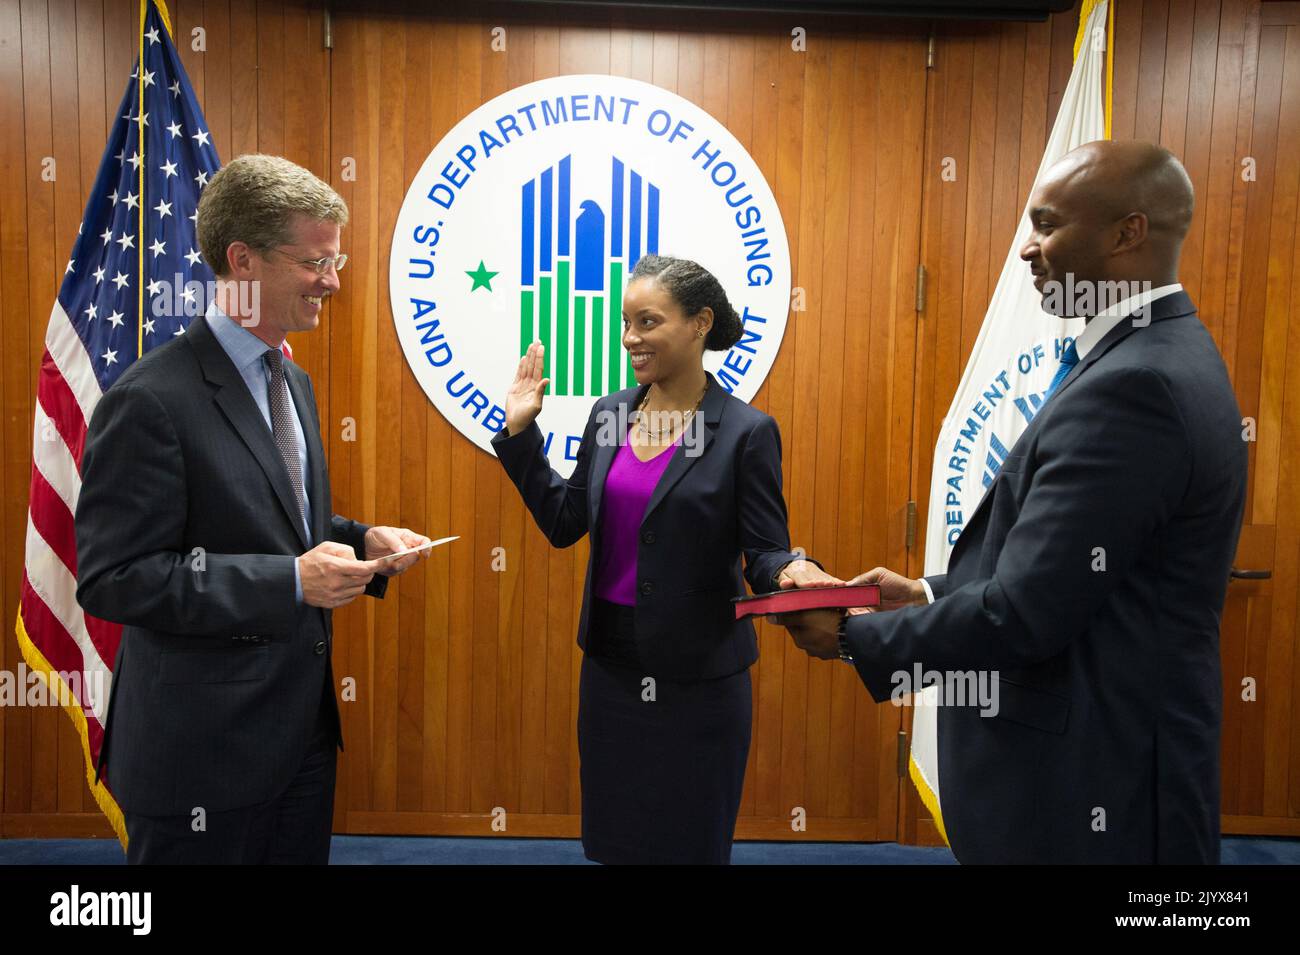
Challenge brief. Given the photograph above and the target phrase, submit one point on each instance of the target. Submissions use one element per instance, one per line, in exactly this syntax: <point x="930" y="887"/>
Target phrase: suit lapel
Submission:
<point x="241" y="411"/>
<point x="709" y="414"/>
<point x="1174" y="305"/>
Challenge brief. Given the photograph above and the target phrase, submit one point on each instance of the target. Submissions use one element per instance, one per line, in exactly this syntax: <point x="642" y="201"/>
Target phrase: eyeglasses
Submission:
<point x="321" y="265"/>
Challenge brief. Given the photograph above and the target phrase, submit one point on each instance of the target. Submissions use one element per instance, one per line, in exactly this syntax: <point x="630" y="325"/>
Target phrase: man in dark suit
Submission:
<point x="204" y="527"/>
<point x="1091" y="577"/>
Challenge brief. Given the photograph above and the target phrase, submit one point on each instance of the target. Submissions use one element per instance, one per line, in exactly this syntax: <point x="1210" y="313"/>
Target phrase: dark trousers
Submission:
<point x="292" y="829"/>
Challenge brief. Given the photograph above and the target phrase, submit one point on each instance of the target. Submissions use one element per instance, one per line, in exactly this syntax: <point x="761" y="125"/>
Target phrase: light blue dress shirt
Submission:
<point x="246" y="350"/>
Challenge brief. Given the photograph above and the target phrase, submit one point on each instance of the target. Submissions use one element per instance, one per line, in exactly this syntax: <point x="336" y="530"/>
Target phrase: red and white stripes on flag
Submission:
<point x="73" y="649"/>
<point x="134" y="282"/>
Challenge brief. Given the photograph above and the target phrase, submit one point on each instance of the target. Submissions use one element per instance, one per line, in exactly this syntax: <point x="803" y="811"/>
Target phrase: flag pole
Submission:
<point x="1110" y="64"/>
<point x="144" y="205"/>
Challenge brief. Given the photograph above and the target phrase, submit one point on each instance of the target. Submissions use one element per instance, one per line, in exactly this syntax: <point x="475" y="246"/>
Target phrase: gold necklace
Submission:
<point x="657" y="436"/>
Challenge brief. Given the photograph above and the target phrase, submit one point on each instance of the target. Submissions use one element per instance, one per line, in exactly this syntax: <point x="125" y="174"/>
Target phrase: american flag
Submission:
<point x="134" y="281"/>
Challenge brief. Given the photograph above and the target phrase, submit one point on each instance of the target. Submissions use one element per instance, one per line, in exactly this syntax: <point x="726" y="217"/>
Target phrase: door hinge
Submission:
<point x="329" y="29"/>
<point x="911" y="525"/>
<point x="920" y="288"/>
<point x="929" y="51"/>
<point x="903" y="751"/>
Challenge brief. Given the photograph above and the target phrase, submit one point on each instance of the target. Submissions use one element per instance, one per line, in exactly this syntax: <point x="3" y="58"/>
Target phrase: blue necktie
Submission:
<point x="1069" y="358"/>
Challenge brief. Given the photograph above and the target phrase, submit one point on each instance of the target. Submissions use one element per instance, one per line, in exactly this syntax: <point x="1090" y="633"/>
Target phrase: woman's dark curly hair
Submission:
<point x="694" y="288"/>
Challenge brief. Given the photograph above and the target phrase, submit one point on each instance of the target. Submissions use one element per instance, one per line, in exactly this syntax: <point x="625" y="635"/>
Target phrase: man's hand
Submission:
<point x="381" y="541"/>
<point x="895" y="590"/>
<point x="815" y="632"/>
<point x="331" y="575"/>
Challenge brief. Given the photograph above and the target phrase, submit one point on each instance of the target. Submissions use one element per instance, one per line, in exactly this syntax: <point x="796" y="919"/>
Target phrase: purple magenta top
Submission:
<point x="628" y="488"/>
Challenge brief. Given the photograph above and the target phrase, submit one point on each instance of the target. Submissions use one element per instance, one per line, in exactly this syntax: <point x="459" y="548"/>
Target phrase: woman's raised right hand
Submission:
<point x="524" y="400"/>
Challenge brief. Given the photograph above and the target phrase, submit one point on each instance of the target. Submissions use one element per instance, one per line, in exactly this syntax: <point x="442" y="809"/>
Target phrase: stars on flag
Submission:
<point x="158" y="159"/>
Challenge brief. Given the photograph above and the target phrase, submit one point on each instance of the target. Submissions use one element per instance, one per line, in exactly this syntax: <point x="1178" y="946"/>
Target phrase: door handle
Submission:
<point x="1237" y="573"/>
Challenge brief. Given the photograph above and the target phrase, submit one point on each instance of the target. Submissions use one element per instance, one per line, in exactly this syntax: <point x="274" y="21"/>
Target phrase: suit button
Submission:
<point x="648" y="537"/>
<point x="320" y="647"/>
<point x="647" y="588"/>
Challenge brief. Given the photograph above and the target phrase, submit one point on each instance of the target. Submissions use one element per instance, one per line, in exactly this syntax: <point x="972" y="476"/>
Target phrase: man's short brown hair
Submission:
<point x="253" y="198"/>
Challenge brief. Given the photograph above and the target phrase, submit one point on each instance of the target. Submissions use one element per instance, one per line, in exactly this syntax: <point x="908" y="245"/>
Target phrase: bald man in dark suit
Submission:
<point x="1091" y="578"/>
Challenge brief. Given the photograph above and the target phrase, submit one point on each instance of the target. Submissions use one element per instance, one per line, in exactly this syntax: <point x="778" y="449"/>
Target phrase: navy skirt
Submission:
<point x="662" y="767"/>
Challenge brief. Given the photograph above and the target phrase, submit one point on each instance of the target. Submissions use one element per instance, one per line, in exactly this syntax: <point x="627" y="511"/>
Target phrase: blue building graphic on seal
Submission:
<point x="572" y="271"/>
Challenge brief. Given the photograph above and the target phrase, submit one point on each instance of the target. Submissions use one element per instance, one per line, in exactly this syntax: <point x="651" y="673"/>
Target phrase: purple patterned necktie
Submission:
<point x="282" y="426"/>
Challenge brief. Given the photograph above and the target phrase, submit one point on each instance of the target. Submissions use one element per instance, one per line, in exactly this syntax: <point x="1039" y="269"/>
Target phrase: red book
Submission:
<point x="811" y="598"/>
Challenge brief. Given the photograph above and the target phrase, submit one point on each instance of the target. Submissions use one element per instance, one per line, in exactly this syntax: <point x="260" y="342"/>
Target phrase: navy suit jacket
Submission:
<point x="708" y="509"/>
<point x="1105" y="746"/>
<point x="220" y="674"/>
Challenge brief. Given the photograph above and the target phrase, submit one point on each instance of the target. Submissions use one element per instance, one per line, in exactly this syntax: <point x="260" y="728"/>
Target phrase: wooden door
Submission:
<point x="1250" y="279"/>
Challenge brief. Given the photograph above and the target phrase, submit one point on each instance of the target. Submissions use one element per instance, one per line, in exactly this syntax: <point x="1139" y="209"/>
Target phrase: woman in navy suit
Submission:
<point x="675" y="481"/>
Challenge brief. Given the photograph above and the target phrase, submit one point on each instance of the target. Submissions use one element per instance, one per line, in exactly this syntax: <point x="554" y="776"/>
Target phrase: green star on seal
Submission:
<point x="482" y="277"/>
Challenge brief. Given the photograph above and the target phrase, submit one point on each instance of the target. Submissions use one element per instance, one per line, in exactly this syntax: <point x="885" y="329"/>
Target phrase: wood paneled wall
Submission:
<point x="466" y="677"/>
<point x="472" y="674"/>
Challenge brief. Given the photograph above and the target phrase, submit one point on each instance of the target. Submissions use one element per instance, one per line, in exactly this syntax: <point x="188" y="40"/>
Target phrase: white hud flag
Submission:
<point x="1015" y="356"/>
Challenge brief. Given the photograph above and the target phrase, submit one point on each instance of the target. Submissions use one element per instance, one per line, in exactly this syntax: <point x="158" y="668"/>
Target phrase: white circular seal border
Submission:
<point x="462" y="339"/>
